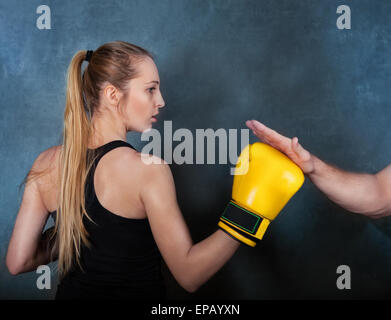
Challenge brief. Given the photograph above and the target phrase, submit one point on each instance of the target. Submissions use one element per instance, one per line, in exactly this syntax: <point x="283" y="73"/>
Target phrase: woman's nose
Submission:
<point x="161" y="103"/>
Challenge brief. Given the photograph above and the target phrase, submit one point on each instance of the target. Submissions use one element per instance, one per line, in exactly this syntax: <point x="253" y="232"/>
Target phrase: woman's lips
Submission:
<point x="154" y="119"/>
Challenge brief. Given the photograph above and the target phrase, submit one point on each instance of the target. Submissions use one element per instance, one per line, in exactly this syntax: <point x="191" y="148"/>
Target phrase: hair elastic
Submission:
<point x="88" y="55"/>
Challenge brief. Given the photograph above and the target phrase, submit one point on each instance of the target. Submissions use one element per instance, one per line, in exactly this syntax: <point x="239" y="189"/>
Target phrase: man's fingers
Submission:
<point x="257" y="125"/>
<point x="260" y="130"/>
<point x="291" y="147"/>
<point x="295" y="143"/>
<point x="298" y="149"/>
<point x="249" y="124"/>
<point x="256" y="131"/>
<point x="269" y="135"/>
<point x="265" y="131"/>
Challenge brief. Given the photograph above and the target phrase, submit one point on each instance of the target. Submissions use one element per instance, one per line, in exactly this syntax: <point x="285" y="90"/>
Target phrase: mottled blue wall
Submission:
<point x="222" y="62"/>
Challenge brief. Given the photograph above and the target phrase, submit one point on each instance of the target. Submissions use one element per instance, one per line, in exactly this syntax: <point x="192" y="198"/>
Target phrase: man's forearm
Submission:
<point x="356" y="192"/>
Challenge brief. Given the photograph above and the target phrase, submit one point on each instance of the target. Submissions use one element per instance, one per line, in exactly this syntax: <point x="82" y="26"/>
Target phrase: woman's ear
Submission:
<point x="111" y="95"/>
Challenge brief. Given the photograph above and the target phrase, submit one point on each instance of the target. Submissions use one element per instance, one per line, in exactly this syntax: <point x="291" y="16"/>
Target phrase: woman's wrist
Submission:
<point x="47" y="243"/>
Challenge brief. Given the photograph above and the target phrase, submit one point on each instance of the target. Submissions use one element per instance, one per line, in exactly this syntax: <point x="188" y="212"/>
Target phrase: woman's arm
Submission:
<point x="191" y="264"/>
<point x="28" y="247"/>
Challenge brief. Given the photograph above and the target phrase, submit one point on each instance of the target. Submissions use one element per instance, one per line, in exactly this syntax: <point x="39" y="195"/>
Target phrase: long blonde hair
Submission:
<point x="113" y="62"/>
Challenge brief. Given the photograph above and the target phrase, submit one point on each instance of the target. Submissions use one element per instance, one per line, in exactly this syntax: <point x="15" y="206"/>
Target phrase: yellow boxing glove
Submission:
<point x="258" y="195"/>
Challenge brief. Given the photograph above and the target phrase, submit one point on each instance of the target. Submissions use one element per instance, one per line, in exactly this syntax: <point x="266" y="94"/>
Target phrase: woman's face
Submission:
<point x="143" y="97"/>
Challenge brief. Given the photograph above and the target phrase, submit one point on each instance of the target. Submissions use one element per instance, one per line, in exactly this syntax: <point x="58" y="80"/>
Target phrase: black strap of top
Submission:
<point x="102" y="150"/>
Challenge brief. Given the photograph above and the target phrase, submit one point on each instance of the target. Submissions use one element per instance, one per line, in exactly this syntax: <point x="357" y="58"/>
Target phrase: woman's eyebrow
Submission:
<point x="155" y="81"/>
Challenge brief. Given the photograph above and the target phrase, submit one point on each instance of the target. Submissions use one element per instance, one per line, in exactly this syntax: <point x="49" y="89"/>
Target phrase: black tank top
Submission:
<point x="123" y="261"/>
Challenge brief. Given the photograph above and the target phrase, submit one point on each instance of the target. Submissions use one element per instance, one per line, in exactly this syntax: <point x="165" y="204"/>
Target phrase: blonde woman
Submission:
<point x="115" y="215"/>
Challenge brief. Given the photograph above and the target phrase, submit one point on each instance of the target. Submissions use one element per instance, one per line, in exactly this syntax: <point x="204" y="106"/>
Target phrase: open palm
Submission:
<point x="289" y="147"/>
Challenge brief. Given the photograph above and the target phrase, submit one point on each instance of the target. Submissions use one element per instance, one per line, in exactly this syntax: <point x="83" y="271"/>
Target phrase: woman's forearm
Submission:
<point x="356" y="192"/>
<point x="206" y="257"/>
<point x="42" y="255"/>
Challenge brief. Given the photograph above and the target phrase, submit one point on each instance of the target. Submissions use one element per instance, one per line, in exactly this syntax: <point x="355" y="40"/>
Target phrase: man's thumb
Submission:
<point x="296" y="146"/>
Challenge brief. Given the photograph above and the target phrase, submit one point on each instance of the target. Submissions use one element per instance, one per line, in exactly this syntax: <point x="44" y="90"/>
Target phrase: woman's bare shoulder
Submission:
<point x="46" y="159"/>
<point x="144" y="166"/>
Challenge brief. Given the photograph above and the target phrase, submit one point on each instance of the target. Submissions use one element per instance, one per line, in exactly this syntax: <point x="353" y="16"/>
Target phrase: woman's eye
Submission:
<point x="151" y="89"/>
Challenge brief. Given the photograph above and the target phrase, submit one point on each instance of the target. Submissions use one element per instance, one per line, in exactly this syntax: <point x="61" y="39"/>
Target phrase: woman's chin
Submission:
<point x="147" y="127"/>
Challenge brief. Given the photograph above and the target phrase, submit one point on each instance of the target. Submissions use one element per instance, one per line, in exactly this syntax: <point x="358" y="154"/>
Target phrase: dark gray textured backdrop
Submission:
<point x="222" y="62"/>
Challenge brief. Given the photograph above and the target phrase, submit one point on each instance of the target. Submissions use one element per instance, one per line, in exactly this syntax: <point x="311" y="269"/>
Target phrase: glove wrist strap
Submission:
<point x="233" y="233"/>
<point x="241" y="218"/>
<point x="245" y="222"/>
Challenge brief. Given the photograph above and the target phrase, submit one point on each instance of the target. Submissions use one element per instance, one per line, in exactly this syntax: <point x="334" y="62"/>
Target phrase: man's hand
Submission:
<point x="367" y="194"/>
<point x="290" y="147"/>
